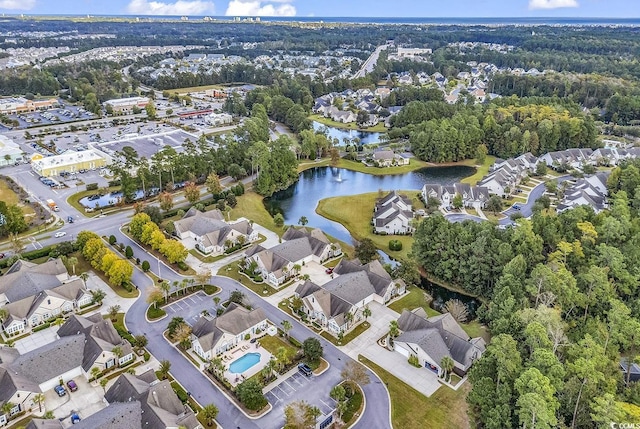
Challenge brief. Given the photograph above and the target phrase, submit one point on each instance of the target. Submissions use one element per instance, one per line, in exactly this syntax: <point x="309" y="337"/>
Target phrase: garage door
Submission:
<point x="404" y="352"/>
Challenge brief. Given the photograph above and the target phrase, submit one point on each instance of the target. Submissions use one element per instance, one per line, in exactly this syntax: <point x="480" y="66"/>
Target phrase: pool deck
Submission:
<point x="244" y="348"/>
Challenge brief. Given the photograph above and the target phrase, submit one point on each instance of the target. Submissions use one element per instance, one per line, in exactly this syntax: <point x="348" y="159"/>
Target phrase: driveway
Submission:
<point x="366" y="344"/>
<point x="36" y="340"/>
<point x="85" y="401"/>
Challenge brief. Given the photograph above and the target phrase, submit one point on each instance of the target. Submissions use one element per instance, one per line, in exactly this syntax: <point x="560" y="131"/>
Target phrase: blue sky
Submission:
<point x="376" y="8"/>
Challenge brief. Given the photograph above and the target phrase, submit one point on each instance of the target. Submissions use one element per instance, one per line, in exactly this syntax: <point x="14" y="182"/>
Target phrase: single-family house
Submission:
<point x="337" y="304"/>
<point x="212" y="336"/>
<point x="388" y="158"/>
<point x="211" y="234"/>
<point x="472" y="196"/>
<point x="569" y="158"/>
<point x="31" y="294"/>
<point x="160" y="406"/>
<point x="501" y="182"/>
<point x="431" y="339"/>
<point x="392" y="214"/>
<point x="101" y="338"/>
<point x="590" y="191"/>
<point x="118" y="415"/>
<point x="300" y="245"/>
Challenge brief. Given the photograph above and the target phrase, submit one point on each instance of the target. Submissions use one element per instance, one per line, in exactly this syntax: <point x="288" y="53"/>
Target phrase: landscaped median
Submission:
<point x="232" y="270"/>
<point x="159" y="298"/>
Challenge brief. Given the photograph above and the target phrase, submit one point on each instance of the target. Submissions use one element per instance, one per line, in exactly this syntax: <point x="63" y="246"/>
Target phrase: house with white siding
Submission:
<point x="393" y="214"/>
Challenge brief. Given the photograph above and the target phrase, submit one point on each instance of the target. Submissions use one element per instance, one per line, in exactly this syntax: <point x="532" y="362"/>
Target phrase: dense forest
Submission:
<point x="561" y="300"/>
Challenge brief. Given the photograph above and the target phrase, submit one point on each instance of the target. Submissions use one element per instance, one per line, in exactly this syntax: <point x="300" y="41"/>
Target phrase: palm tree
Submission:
<point x="113" y="312"/>
<point x="165" y="287"/>
<point x="103" y="384"/>
<point x="447" y="365"/>
<point x="349" y="318"/>
<point x="38" y="398"/>
<point x="84" y="276"/>
<point x="73" y="261"/>
<point x="7" y="407"/>
<point x="282" y="354"/>
<point x="286" y="327"/>
<point x="117" y="351"/>
<point x="366" y="312"/>
<point x="4" y="313"/>
<point x="95" y="372"/>
<point x="297" y="268"/>
<point x="216" y="365"/>
<point x="341" y="408"/>
<point x="164" y="368"/>
<point x="210" y="412"/>
<point x="394" y="331"/>
<point x="303" y="220"/>
<point x="216" y="300"/>
<point x="97" y="295"/>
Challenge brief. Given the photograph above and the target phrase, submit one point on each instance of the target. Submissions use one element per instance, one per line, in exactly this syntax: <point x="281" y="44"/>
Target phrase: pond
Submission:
<point x="333" y="132"/>
<point x="441" y="295"/>
<point x="301" y="198"/>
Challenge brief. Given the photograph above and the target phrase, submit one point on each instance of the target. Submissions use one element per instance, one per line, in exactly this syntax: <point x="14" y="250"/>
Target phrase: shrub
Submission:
<point x="92" y="186"/>
<point x="146" y="266"/>
<point x="247" y="337"/>
<point x="128" y="252"/>
<point x="413" y="360"/>
<point x="41" y="327"/>
<point x="295" y="342"/>
<point x="147" y="356"/>
<point x="112" y="239"/>
<point x="395" y="245"/>
<point x="182" y="266"/>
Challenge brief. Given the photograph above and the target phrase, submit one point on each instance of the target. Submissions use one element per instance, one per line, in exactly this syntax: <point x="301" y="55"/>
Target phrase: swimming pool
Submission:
<point x="243" y="363"/>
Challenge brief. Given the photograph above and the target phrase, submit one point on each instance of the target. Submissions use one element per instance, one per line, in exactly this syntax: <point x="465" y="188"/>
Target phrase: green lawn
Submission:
<point x="231" y="270"/>
<point x="209" y="259"/>
<point x="84" y="266"/>
<point x="481" y="170"/>
<point x="414" y="164"/>
<point x="410" y="409"/>
<point x="273" y="343"/>
<point x="250" y="206"/>
<point x="355" y="212"/>
<point x="10" y="197"/>
<point x="359" y="329"/>
<point x="416" y="298"/>
<point x="184" y="91"/>
<point x="378" y="128"/>
<point x="154" y="313"/>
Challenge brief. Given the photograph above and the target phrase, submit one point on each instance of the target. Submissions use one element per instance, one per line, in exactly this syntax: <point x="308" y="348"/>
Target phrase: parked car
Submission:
<point x="70" y="219"/>
<point x="329" y="270"/>
<point x="304" y="368"/>
<point x="60" y="390"/>
<point x="72" y="385"/>
<point x="60" y="234"/>
<point x="2" y="255"/>
<point x="517" y="207"/>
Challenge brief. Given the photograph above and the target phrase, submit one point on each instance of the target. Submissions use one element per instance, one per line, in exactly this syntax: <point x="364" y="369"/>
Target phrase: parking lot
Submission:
<point x="190" y="307"/>
<point x="288" y="390"/>
<point x="52" y="116"/>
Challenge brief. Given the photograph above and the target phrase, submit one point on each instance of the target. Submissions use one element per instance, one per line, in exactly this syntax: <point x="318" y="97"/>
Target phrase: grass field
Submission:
<point x="410" y="409"/>
<point x="378" y="128"/>
<point x="481" y="170"/>
<point x="84" y="266"/>
<point x="250" y="206"/>
<point x="10" y="197"/>
<point x="183" y="91"/>
<point x="272" y="344"/>
<point x="355" y="213"/>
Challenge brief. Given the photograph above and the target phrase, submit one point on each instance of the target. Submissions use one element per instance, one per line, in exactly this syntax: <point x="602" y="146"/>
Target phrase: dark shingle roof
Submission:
<point x="51" y="360"/>
<point x="118" y="415"/>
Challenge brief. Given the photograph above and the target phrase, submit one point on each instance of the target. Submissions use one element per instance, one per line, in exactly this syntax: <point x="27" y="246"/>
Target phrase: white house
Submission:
<point x="388" y="158"/>
<point x="212" y="336"/>
<point x="472" y="196"/>
<point x="300" y="246"/>
<point x="210" y="234"/>
<point x="434" y="338"/>
<point x="393" y="214"/>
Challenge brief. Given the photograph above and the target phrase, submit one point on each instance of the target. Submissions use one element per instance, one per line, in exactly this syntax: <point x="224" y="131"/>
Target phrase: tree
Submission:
<point x="138" y="221"/>
<point x="38" y="398"/>
<point x="155" y="296"/>
<point x="278" y="220"/>
<point x="128" y="252"/>
<point x="103" y="384"/>
<point x="394" y="331"/>
<point x="366" y="312"/>
<point x="286" y="327"/>
<point x="73" y="261"/>
<point x="213" y="184"/>
<point x="312" y="349"/>
<point x="303" y="220"/>
<point x="146" y="266"/>
<point x="299" y="415"/>
<point x="97" y="295"/>
<point x="140" y="341"/>
<point x="355" y="372"/>
<point x="113" y="312"/>
<point x="237" y="297"/>
<point x="117" y="352"/>
<point x="165" y="287"/>
<point x="481" y="154"/>
<point x="338" y="393"/>
<point x="447" y="364"/>
<point x="432" y="204"/>
<point x="457" y="201"/>
<point x="151" y="110"/>
<point x="166" y="201"/>
<point x="209" y="412"/>
<point x="174" y="251"/>
<point x="249" y="392"/>
<point x="334" y="153"/>
<point x="4" y="313"/>
<point x="494" y="204"/>
<point x="541" y="169"/>
<point x="17" y="244"/>
<point x="120" y="272"/>
<point x="191" y="192"/>
<point x="457" y="309"/>
<point x="366" y="251"/>
<point x="164" y="368"/>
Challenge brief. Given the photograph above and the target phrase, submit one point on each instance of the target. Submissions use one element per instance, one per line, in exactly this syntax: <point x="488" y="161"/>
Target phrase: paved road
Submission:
<point x="370" y="64"/>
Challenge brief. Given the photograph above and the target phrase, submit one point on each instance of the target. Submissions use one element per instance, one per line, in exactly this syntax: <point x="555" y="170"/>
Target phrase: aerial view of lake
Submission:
<point x="301" y="198"/>
<point x="364" y="136"/>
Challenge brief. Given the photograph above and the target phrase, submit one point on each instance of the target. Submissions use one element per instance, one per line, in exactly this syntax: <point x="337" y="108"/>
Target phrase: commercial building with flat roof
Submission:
<point x="10" y="152"/>
<point x="15" y="105"/>
<point x="69" y="162"/>
<point x="123" y="106"/>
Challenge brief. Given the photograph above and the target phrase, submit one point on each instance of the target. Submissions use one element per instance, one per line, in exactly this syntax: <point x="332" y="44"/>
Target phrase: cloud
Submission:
<point x="552" y="4"/>
<point x="261" y="8"/>
<point x="17" y="4"/>
<point x="180" y="7"/>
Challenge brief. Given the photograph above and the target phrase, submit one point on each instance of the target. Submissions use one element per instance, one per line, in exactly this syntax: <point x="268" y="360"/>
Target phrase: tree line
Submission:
<point x="561" y="301"/>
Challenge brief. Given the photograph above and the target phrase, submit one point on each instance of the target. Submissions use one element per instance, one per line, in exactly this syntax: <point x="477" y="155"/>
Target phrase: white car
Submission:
<point x="60" y="234"/>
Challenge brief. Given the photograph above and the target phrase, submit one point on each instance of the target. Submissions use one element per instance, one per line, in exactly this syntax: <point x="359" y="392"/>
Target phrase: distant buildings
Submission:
<point x="68" y="162"/>
<point x="16" y="105"/>
<point x="470" y="196"/>
<point x="10" y="152"/>
<point x="125" y="106"/>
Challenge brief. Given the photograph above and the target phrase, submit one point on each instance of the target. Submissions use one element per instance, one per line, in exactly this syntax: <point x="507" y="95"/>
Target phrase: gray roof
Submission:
<point x="44" y="424"/>
<point x="234" y="320"/>
<point x="100" y="334"/>
<point x="160" y="405"/>
<point x="351" y="287"/>
<point x="11" y="382"/>
<point x="438" y="337"/>
<point x="51" y="360"/>
<point x="118" y="415"/>
<point x="24" y="280"/>
<point x="200" y="223"/>
<point x="23" y="308"/>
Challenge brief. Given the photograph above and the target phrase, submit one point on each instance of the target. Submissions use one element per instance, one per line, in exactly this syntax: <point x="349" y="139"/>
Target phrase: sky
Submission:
<point x="328" y="8"/>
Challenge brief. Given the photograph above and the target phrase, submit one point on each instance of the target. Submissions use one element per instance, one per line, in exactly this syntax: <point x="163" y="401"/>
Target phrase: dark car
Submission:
<point x="70" y="219"/>
<point x="2" y="255"/>
<point x="329" y="270"/>
<point x="72" y="385"/>
<point x="304" y="368"/>
<point x="60" y="390"/>
<point x="517" y="207"/>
